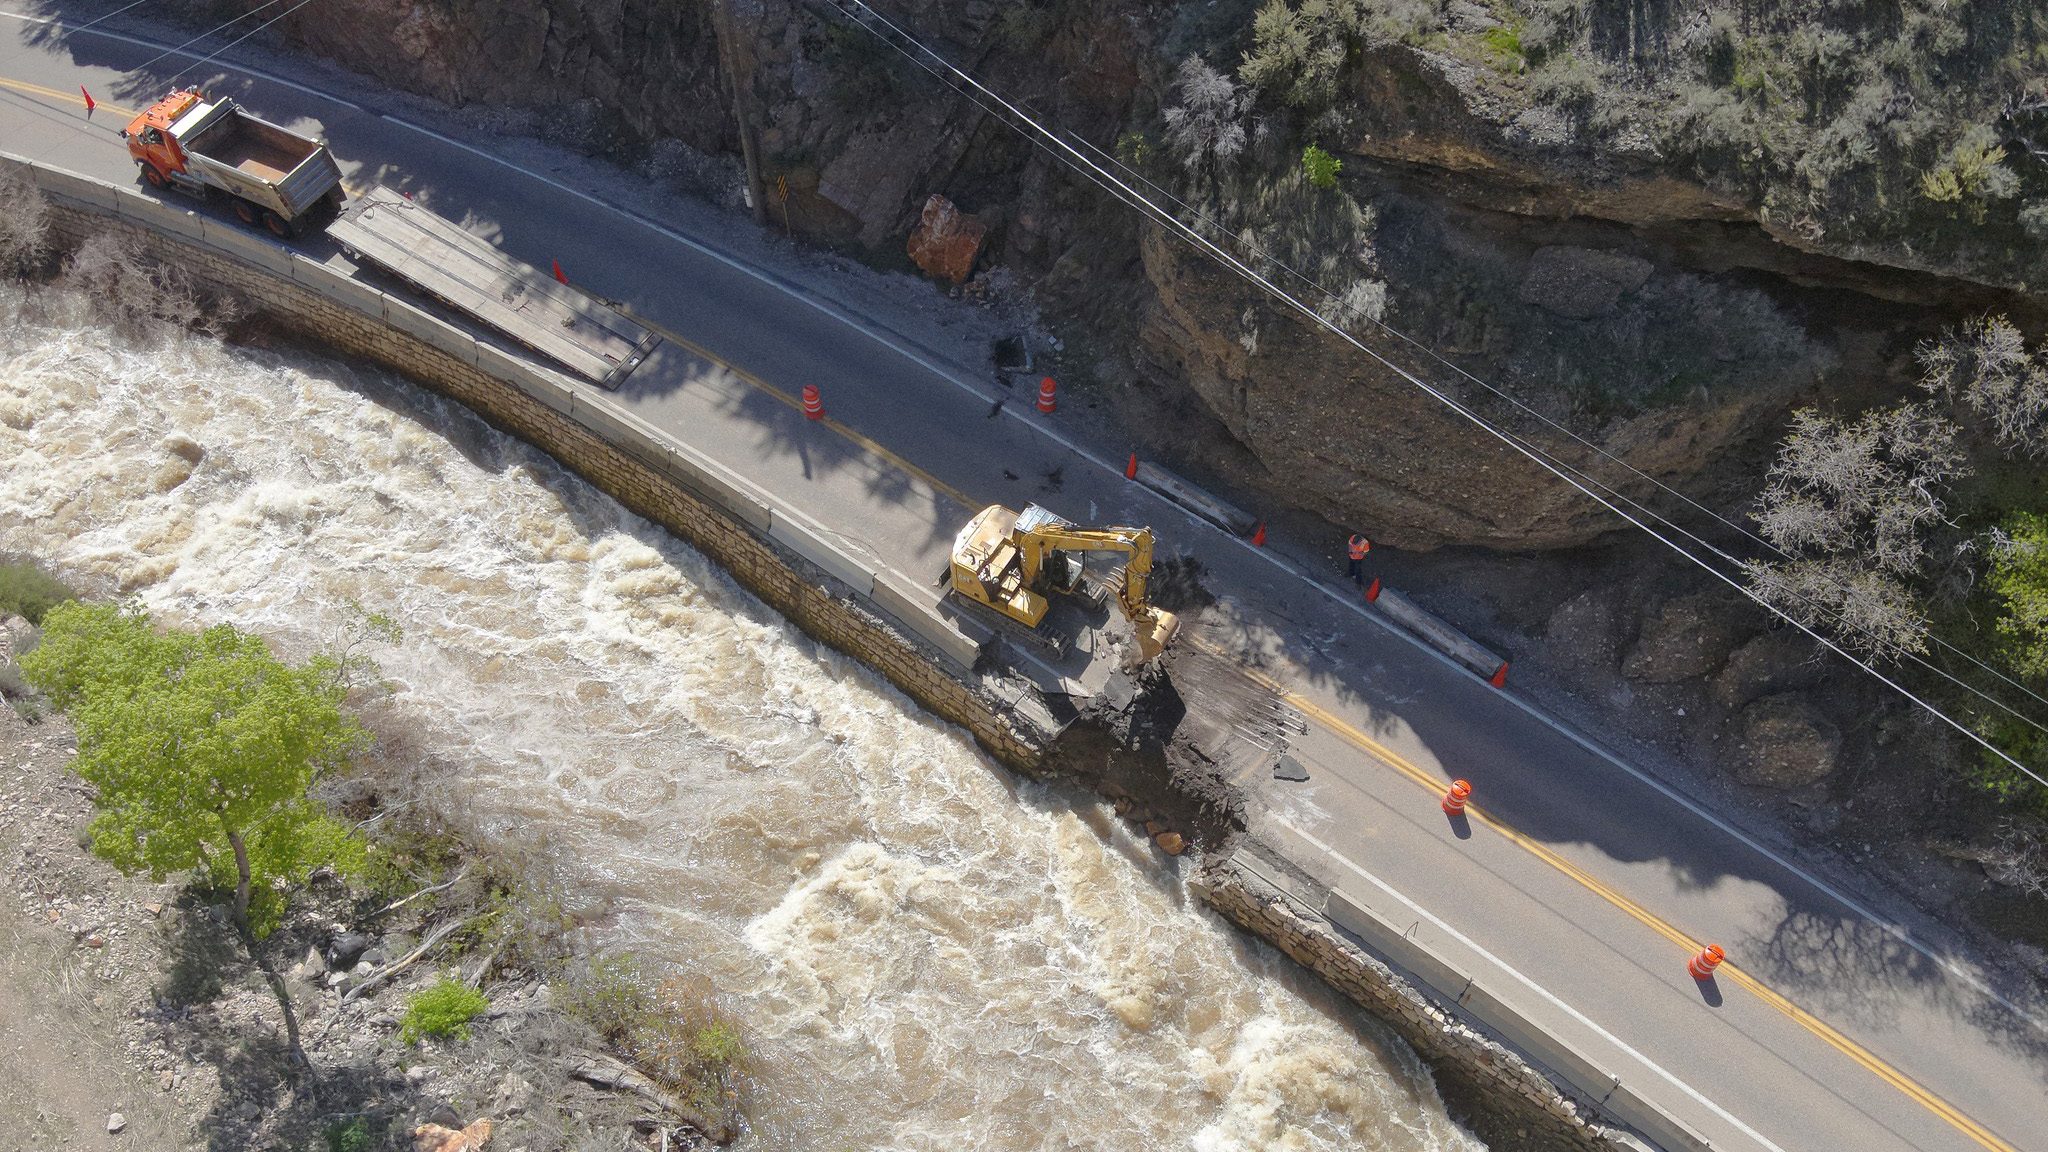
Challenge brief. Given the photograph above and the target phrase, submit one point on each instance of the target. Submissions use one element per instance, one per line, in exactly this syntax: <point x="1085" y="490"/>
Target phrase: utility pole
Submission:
<point x="726" y="29"/>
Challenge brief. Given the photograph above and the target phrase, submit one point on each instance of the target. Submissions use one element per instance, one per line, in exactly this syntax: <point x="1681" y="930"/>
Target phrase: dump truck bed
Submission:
<point x="590" y="338"/>
<point x="257" y="160"/>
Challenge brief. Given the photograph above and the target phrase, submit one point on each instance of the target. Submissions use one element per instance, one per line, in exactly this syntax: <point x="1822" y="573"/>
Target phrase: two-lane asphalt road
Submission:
<point x="1580" y="885"/>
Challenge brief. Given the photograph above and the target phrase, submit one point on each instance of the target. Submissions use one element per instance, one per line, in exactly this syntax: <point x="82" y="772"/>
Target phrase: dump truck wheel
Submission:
<point x="277" y="225"/>
<point x="154" y="178"/>
<point x="245" y="211"/>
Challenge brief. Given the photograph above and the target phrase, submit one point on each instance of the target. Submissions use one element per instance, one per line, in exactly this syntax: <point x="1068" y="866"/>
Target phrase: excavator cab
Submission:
<point x="1012" y="562"/>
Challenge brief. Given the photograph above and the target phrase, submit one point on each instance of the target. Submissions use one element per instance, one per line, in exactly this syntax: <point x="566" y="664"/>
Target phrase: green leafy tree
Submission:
<point x="202" y="748"/>
<point x="1321" y="167"/>
<point x="2019" y="579"/>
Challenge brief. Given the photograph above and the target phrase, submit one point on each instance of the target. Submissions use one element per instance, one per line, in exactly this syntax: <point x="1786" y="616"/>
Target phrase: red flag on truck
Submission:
<point x="90" y="103"/>
<point x="558" y="271"/>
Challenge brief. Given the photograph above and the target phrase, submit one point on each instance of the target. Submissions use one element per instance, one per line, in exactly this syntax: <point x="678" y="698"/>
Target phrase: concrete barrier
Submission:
<point x="916" y="608"/>
<point x="237" y="241"/>
<point x="155" y="213"/>
<point x="75" y="188"/>
<point x="1385" y="937"/>
<point x="625" y="431"/>
<point x="1576" y="1069"/>
<point x="1668" y="1132"/>
<point x="441" y="334"/>
<point x="333" y="284"/>
<point x="722" y="486"/>
<point x="809" y="541"/>
<point x="1230" y="517"/>
<point x="1439" y="635"/>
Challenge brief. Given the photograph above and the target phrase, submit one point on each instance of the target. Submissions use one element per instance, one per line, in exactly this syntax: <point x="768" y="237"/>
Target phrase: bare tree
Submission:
<point x="1851" y="503"/>
<point x="2019" y="857"/>
<point x="24" y="223"/>
<point x="1986" y="366"/>
<point x="1206" y="130"/>
<point x="132" y="290"/>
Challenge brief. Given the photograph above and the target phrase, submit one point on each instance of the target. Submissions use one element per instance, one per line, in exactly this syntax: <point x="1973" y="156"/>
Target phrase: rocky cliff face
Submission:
<point x="1662" y="317"/>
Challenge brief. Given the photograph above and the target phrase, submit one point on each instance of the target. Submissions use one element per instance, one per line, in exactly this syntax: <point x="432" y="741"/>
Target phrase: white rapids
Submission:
<point x="927" y="952"/>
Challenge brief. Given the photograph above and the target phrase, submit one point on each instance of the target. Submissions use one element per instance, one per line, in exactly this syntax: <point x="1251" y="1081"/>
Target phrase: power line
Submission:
<point x="65" y="31"/>
<point x="239" y="39"/>
<point x="204" y="35"/>
<point x="1248" y="242"/>
<point x="1053" y="143"/>
<point x="1818" y="610"/>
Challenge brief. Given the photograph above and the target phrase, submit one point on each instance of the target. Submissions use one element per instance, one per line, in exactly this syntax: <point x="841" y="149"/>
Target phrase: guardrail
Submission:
<point x="888" y="592"/>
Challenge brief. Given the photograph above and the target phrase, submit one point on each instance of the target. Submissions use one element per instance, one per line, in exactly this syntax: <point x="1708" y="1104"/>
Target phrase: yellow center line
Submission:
<point x="1434" y="786"/>
<point x="67" y="97"/>
<point x="760" y="385"/>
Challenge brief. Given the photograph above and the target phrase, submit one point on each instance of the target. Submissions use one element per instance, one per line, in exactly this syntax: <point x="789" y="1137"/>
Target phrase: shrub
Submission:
<point x="28" y="591"/>
<point x="1300" y="53"/>
<point x="1503" y="45"/>
<point x="1568" y="83"/>
<point x="1134" y="149"/>
<point x="1972" y="173"/>
<point x="611" y="995"/>
<point x="351" y="1136"/>
<point x="2034" y="220"/>
<point x="1986" y="366"/>
<point x="442" y="1010"/>
<point x="2018" y="581"/>
<point x="686" y="1042"/>
<point x="1320" y="167"/>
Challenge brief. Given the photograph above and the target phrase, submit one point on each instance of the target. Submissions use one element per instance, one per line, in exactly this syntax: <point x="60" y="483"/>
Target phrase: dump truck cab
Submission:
<point x="153" y="140"/>
<point x="270" y="175"/>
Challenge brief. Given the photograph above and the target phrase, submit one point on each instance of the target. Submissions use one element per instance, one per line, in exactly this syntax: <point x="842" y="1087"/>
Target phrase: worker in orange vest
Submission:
<point x="1357" y="548"/>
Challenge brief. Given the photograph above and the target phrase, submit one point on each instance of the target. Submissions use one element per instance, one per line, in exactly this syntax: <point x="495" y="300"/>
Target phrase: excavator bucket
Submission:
<point x="1155" y="633"/>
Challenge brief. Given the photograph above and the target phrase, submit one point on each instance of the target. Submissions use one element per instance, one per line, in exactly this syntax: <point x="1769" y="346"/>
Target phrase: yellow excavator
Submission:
<point x="1013" y="562"/>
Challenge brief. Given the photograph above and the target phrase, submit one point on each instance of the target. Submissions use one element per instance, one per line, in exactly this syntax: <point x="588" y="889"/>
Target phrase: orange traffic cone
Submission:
<point x="1499" y="679"/>
<point x="558" y="271"/>
<point x="1702" y="966"/>
<point x="90" y="103"/>
<point x="1131" y="469"/>
<point x="1372" y="591"/>
<point x="1259" y="537"/>
<point x="1045" y="396"/>
<point x="814" y="406"/>
<point x="1454" y="800"/>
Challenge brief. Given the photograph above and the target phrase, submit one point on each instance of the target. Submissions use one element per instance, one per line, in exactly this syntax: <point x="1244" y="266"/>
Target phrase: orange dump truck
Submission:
<point x="270" y="175"/>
